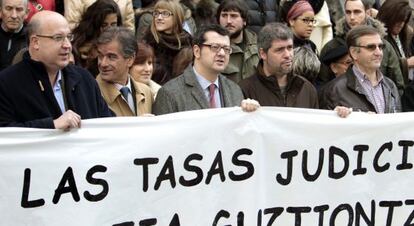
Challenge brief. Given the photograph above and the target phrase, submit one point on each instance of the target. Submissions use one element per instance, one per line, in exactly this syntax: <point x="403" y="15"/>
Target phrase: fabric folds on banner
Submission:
<point x="276" y="166"/>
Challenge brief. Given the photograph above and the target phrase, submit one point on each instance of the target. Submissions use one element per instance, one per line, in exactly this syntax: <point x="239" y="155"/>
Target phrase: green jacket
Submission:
<point x="390" y="65"/>
<point x="243" y="63"/>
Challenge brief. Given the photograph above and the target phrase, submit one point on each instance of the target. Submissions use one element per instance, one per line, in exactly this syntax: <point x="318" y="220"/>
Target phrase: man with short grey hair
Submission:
<point x="117" y="48"/>
<point x="274" y="84"/>
<point x="12" y="31"/>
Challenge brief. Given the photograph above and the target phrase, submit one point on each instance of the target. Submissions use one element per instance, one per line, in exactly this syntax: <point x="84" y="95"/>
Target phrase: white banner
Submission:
<point x="276" y="166"/>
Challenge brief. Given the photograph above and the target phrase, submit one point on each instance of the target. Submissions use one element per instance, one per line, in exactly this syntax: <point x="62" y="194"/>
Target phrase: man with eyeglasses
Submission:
<point x="201" y="86"/>
<point x="274" y="84"/>
<point x="363" y="87"/>
<point x="44" y="90"/>
<point x="232" y="15"/>
<point x="356" y="15"/>
<point x="12" y="31"/>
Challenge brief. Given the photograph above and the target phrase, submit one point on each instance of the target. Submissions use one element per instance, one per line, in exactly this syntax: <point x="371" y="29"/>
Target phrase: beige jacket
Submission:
<point x="75" y="8"/>
<point x="143" y="98"/>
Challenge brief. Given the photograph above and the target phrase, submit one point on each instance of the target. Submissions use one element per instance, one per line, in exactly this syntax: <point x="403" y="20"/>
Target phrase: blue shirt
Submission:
<point x="204" y="83"/>
<point x="57" y="90"/>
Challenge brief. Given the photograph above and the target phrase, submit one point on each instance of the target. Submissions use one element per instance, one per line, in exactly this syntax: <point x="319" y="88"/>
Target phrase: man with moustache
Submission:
<point x="201" y="86"/>
<point x="44" y="90"/>
<point x="12" y="31"/>
<point x="363" y="87"/>
<point x="274" y="84"/>
<point x="232" y="15"/>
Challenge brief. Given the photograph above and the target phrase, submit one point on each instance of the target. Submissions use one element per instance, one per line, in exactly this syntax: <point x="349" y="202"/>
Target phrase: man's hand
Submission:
<point x="249" y="105"/>
<point x="342" y="111"/>
<point x="68" y="120"/>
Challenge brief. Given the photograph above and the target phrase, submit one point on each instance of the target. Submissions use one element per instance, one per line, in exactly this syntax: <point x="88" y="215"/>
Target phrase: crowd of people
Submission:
<point x="73" y="60"/>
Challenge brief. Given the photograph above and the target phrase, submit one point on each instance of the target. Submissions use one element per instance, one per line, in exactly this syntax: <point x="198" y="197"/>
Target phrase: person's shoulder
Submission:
<point x="249" y="81"/>
<point x="79" y="72"/>
<point x="14" y="72"/>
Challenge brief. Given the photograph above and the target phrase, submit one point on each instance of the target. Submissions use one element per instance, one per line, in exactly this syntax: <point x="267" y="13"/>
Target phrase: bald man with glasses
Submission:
<point x="201" y="86"/>
<point x="44" y="90"/>
<point x="363" y="87"/>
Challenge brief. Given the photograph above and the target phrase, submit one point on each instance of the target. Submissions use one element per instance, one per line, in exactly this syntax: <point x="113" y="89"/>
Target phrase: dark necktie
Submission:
<point x="124" y="91"/>
<point x="212" y="89"/>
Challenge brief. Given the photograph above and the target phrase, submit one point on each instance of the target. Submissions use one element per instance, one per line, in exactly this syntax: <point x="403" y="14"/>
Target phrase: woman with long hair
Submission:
<point x="143" y="67"/>
<point x="395" y="15"/>
<point x="99" y="16"/>
<point x="167" y="37"/>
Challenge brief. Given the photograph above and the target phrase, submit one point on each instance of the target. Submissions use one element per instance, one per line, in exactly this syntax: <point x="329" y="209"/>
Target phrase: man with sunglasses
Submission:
<point x="44" y="90"/>
<point x="356" y="15"/>
<point x="201" y="86"/>
<point x="363" y="87"/>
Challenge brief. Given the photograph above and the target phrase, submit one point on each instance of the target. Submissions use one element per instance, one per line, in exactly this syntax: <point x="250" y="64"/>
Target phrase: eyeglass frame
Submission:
<point x="372" y="47"/>
<point x="163" y="14"/>
<point x="57" y="37"/>
<point x="307" y="20"/>
<point x="212" y="47"/>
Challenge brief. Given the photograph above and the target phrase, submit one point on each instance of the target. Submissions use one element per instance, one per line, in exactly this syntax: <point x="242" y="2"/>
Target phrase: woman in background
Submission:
<point x="395" y="15"/>
<point x="300" y="17"/>
<point x="167" y="37"/>
<point x="99" y="16"/>
<point x="143" y="67"/>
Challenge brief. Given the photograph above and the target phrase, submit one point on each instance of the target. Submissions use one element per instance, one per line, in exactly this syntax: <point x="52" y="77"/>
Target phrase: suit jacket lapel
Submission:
<point x="224" y="90"/>
<point x="195" y="88"/>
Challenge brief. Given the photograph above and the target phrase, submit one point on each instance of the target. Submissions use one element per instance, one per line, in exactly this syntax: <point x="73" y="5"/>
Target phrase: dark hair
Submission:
<point x="89" y="27"/>
<point x="233" y="5"/>
<point x="199" y="37"/>
<point x="144" y="52"/>
<point x="125" y="38"/>
<point x="393" y="12"/>
<point x="354" y="34"/>
<point x="367" y="4"/>
<point x="270" y="32"/>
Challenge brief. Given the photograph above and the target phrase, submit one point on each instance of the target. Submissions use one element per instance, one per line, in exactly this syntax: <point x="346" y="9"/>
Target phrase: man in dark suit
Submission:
<point x="201" y="86"/>
<point x="44" y="91"/>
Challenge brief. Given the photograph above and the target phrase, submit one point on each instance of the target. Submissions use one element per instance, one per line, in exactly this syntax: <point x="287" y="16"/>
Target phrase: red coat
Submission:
<point x="44" y="4"/>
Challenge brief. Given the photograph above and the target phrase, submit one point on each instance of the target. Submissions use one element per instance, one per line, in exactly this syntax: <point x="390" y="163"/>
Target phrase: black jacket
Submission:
<point x="345" y="90"/>
<point x="16" y="41"/>
<point x="261" y="12"/>
<point x="27" y="98"/>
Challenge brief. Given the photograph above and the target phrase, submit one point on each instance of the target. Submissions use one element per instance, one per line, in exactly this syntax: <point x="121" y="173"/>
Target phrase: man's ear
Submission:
<point x="34" y="41"/>
<point x="262" y="54"/>
<point x="353" y="52"/>
<point x="130" y="61"/>
<point x="196" y="51"/>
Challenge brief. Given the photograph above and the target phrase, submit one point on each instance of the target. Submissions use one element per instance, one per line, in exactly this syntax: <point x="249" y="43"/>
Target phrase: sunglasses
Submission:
<point x="373" y="47"/>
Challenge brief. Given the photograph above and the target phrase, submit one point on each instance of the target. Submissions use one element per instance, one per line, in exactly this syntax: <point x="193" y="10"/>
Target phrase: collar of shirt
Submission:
<point x="58" y="92"/>
<point x="204" y="83"/>
<point x="57" y="86"/>
<point x="363" y="78"/>
<point x="119" y="86"/>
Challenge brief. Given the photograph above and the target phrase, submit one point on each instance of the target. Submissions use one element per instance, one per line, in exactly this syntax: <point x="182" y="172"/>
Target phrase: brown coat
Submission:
<point x="142" y="99"/>
<point x="300" y="92"/>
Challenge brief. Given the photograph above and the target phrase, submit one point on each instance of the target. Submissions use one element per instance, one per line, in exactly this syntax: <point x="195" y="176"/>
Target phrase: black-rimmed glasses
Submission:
<point x="164" y="14"/>
<point x="217" y="47"/>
